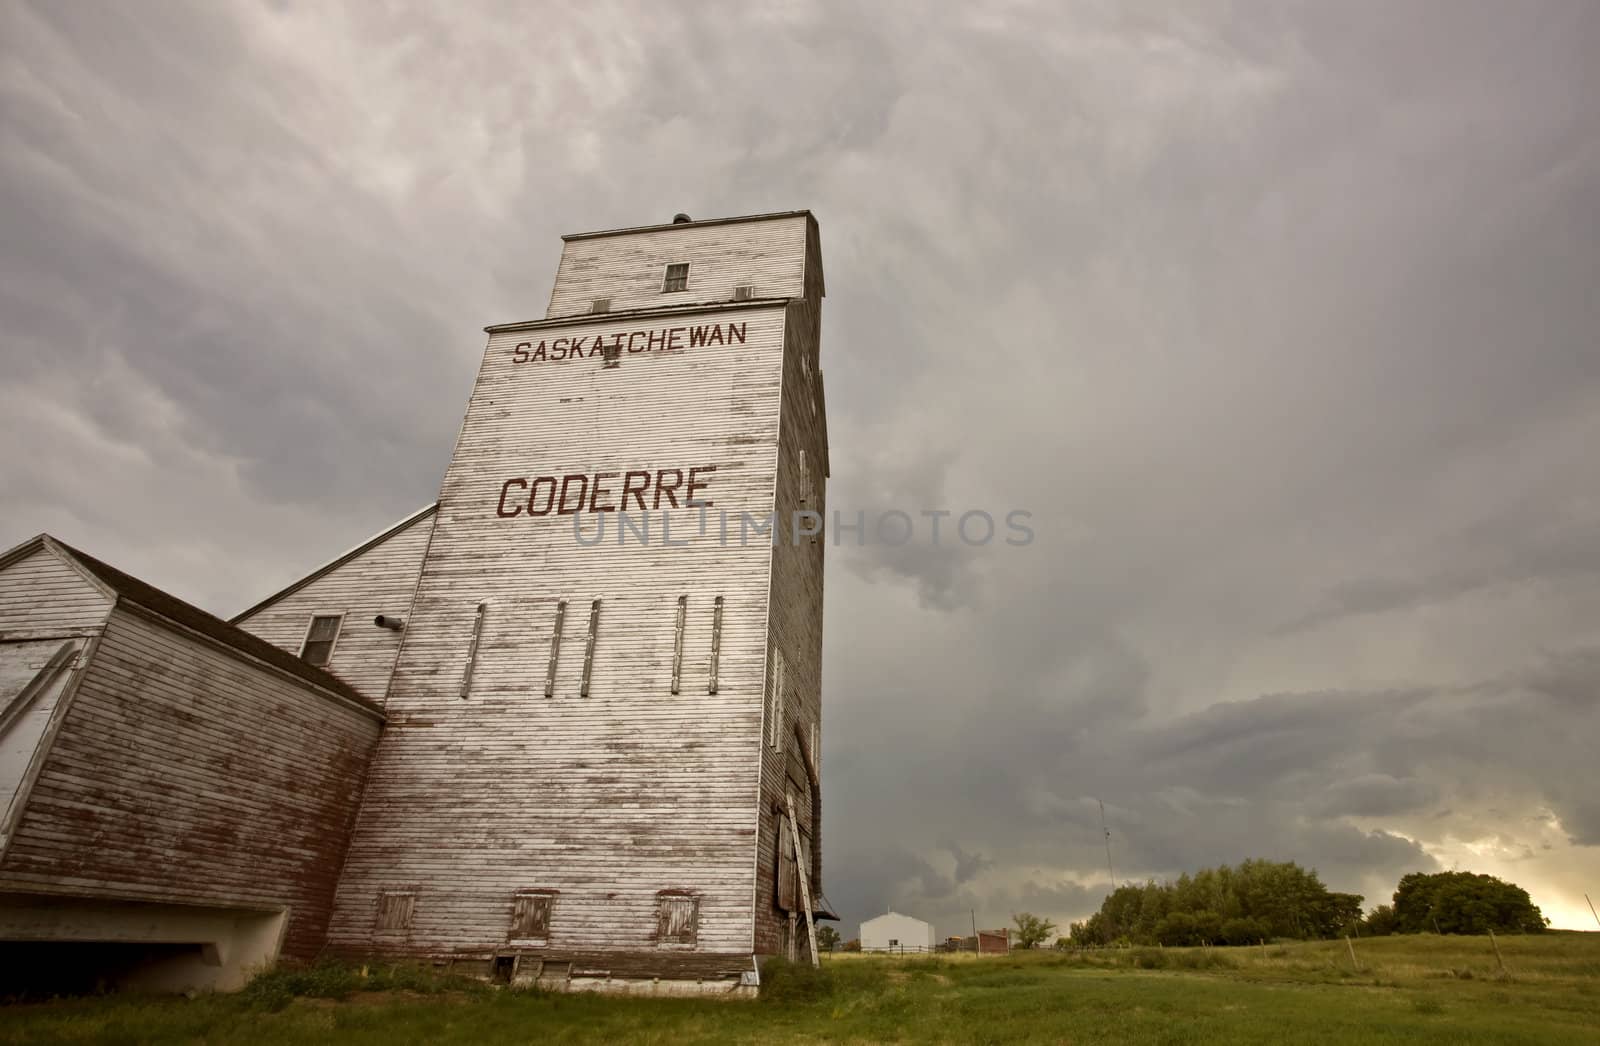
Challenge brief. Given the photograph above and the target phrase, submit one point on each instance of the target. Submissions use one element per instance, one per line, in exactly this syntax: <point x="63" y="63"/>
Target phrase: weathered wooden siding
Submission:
<point x="41" y="595"/>
<point x="33" y="677"/>
<point x="380" y="579"/>
<point x="768" y="256"/>
<point x="182" y="772"/>
<point x="45" y="603"/>
<point x="631" y="790"/>
<point x="611" y="792"/>
<point x="796" y="617"/>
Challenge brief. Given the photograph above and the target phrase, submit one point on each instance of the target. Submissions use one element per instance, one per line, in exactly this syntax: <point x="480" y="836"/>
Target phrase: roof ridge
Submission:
<point x="181" y="612"/>
<point x="692" y="223"/>
<point x="337" y="561"/>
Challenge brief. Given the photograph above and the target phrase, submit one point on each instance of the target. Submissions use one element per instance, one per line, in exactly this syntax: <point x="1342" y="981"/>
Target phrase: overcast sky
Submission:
<point x="1280" y="318"/>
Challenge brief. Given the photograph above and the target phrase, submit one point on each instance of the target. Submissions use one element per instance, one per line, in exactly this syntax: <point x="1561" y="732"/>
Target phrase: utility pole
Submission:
<point x="1107" y="832"/>
<point x="975" y="949"/>
<point x="1592" y="911"/>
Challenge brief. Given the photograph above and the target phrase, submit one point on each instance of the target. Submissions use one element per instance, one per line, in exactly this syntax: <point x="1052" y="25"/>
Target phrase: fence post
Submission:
<point x="1503" y="971"/>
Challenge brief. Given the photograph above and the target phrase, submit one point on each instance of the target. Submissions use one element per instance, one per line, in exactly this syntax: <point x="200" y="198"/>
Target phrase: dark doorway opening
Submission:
<point x="47" y="969"/>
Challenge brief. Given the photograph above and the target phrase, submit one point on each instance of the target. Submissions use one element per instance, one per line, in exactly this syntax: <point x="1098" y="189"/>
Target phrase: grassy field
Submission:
<point x="1407" y="989"/>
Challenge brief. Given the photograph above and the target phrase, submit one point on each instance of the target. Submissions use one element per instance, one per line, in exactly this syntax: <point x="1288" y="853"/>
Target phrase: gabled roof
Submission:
<point x="339" y="561"/>
<point x="49" y="545"/>
<point x="898" y="915"/>
<point x="127" y="588"/>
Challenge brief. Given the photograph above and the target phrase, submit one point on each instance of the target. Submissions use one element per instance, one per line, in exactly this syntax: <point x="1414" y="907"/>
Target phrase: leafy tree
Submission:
<point x="1090" y="932"/>
<point x="1244" y="931"/>
<point x="1380" y="922"/>
<point x="1334" y="914"/>
<point x="1032" y="930"/>
<point x="1184" y="930"/>
<point x="1464" y="902"/>
<point x="1177" y="930"/>
<point x="853" y="944"/>
<point x="827" y="939"/>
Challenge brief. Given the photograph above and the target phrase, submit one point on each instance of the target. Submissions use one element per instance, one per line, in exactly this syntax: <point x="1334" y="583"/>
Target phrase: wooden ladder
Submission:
<point x="805" y="880"/>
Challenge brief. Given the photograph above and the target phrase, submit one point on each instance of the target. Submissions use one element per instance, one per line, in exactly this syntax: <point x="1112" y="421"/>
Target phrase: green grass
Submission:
<point x="1407" y="989"/>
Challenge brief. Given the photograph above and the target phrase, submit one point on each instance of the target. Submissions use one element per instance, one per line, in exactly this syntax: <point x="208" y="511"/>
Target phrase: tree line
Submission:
<point x="1260" y="900"/>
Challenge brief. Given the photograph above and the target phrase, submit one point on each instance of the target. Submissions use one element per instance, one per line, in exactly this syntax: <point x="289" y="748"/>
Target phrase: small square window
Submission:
<point x="530" y="914"/>
<point x="600" y="305"/>
<point x="395" y="908"/>
<point x="677" y="918"/>
<point x="320" y="638"/>
<point x="677" y="278"/>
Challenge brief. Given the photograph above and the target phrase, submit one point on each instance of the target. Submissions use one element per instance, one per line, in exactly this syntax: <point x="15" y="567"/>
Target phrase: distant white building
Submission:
<point x="893" y="932"/>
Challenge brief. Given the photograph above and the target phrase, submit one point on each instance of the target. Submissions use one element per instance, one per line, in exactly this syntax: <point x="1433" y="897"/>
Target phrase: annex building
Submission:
<point x="562" y="725"/>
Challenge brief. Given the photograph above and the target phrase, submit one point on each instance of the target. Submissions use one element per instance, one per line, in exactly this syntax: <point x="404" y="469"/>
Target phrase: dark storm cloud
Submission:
<point x="1569" y="675"/>
<point x="967" y="864"/>
<point x="1377" y="795"/>
<point x="1521" y="550"/>
<point x="1280" y="320"/>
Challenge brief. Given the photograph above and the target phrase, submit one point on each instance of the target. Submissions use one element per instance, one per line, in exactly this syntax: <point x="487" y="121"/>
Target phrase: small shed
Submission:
<point x="893" y="932"/>
<point x="994" y="942"/>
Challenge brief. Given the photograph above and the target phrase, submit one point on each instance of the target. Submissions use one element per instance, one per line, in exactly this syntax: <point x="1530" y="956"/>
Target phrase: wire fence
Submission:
<point x="991" y="944"/>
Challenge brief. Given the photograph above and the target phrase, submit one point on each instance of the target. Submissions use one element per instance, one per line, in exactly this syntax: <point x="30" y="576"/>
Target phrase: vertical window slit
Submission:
<point x="588" y="648"/>
<point x="775" y="709"/>
<point x="716" y="644"/>
<point x="472" y="651"/>
<point x="677" y="643"/>
<point x="555" y="650"/>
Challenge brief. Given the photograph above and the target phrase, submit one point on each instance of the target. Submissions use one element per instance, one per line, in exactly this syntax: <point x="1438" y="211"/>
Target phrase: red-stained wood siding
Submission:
<point x="183" y="772"/>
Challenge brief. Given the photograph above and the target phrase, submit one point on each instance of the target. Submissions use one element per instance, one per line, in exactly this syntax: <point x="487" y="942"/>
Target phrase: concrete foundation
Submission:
<point x="188" y="948"/>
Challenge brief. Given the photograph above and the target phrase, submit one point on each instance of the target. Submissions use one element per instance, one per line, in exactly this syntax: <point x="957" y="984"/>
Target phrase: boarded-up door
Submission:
<point x="789" y="898"/>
